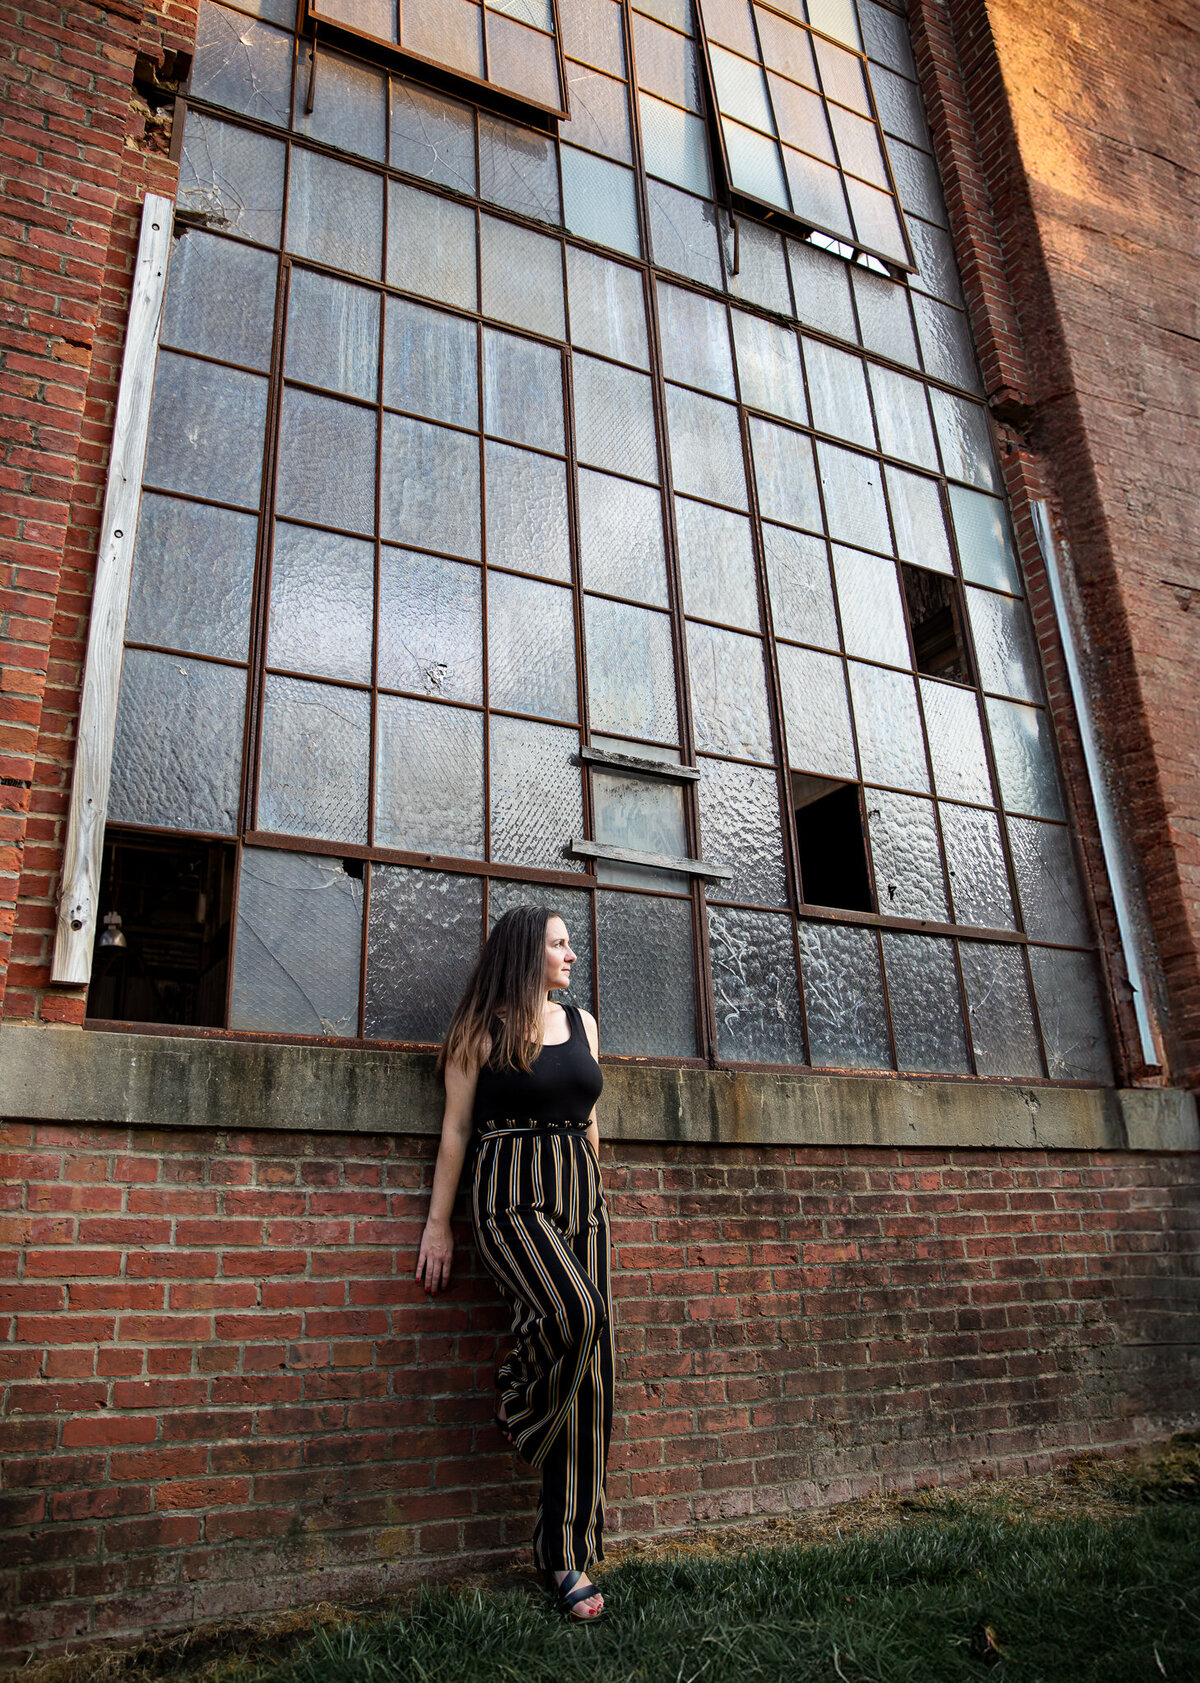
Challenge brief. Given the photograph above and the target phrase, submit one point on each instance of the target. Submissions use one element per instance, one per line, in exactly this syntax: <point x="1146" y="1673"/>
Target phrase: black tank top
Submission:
<point x="562" y="1086"/>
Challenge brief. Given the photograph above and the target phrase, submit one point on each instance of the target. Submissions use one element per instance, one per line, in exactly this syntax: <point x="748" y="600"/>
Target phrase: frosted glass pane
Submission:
<point x="1073" y="1028"/>
<point x="966" y="440"/>
<point x="869" y="599"/>
<point x="768" y="359"/>
<point x="762" y="276"/>
<point x="638" y="812"/>
<point x="755" y="991"/>
<point x="1024" y="759"/>
<point x="322" y="604"/>
<point x="574" y="906"/>
<point x="646" y="979"/>
<point x="423" y="937"/>
<point x="431" y="246"/>
<point x="1048" y="882"/>
<point x="193" y="575"/>
<point x="314" y="765"/>
<point x="817" y="193"/>
<point x="666" y="63"/>
<point x="801" y="594"/>
<point x="926" y="1004"/>
<point x="890" y="743"/>
<point x="599" y="117"/>
<point x="740" y="829"/>
<point x="177" y="761"/>
<point x="999" y="1010"/>
<point x="430" y="493"/>
<point x="937" y="272"/>
<point x="975" y="861"/>
<point x="960" y="770"/>
<point x="876" y="219"/>
<point x="607" y="307"/>
<point x="918" y="520"/>
<point x="729" y="22"/>
<point x="232" y="177"/>
<point x="631" y="671"/>
<point x="785" y="476"/>
<point x="816" y="713"/>
<point x="858" y="152"/>
<point x="741" y="90"/>
<point x="695" y="340"/>
<point x="918" y="185"/>
<point x="521" y="60"/>
<point x="907" y="857"/>
<point x="326" y="461"/>
<point x="836" y="18"/>
<point x="754" y="165"/>
<point x="447" y="32"/>
<point x="614" y="418"/>
<point x="674" y="145"/>
<point x="821" y="285"/>
<point x="522" y="277"/>
<point x="985" y="548"/>
<point x="683" y="232"/>
<point x="432" y="137"/>
<point x="242" y="64"/>
<point x="206" y="431"/>
<point x="350" y="108"/>
<point x="884" y="317"/>
<point x="785" y="46"/>
<point x="946" y="347"/>
<point x="299" y="944"/>
<point x="220" y="300"/>
<point x="837" y="385"/>
<point x="429" y="778"/>
<point x="333" y="335"/>
<point x="1004" y="651"/>
<point x="854" y="507"/>
<point x="600" y="201"/>
<point x="430" y="364"/>
<point x="592" y="32"/>
<point x="430" y="626"/>
<point x="335" y="213"/>
<point x="522" y="390"/>
<point x="843" y="997"/>
<point x="729" y="693"/>
<point x="716" y="564"/>
<point x="621" y="538"/>
<point x="531" y="647"/>
<point x="706" y="447"/>
<point x="902" y="415"/>
<point x="526" y="512"/>
<point x="899" y="102"/>
<point x="885" y="36"/>
<point x="536" y="794"/>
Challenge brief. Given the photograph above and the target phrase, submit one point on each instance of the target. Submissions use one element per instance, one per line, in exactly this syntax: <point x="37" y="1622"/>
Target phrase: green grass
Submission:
<point x="949" y="1597"/>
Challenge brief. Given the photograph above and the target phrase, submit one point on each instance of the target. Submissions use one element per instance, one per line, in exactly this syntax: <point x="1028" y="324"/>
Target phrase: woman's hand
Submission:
<point x="433" y="1260"/>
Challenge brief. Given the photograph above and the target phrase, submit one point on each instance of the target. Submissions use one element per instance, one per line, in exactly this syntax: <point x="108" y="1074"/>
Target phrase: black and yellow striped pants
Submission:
<point x="542" y="1230"/>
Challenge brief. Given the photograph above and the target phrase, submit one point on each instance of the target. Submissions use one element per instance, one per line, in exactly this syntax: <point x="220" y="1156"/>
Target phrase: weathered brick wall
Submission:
<point x="224" y="1391"/>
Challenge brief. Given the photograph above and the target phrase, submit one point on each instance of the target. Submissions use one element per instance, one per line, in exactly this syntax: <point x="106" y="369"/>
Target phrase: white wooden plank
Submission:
<point x="79" y="895"/>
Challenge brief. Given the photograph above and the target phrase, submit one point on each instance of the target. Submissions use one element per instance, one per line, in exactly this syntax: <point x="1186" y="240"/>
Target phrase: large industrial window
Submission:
<point x="514" y="526"/>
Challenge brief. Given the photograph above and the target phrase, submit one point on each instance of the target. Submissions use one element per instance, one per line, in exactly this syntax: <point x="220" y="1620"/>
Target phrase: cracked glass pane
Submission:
<point x="706" y="447"/>
<point x="716" y="564"/>
<point x="1004" y="649"/>
<point x="999" y="1010"/>
<point x="326" y="461"/>
<point x="599" y="117"/>
<point x="960" y="769"/>
<point x="206" y="431"/>
<point x="695" y="340"/>
<point x="784" y="473"/>
<point x="536" y="793"/>
<point x="431" y="246"/>
<point x="531" y="647"/>
<point x="526" y="512"/>
<point x="430" y="493"/>
<point x="631" y="671"/>
<point x="432" y="137"/>
<point x="349" y="104"/>
<point x="614" y="418"/>
<point x="314" y="762"/>
<point x="430" y="626"/>
<point x="843" y="997"/>
<point x="890" y="742"/>
<point x="431" y="364"/>
<point x="193" y="578"/>
<point x="242" y="64"/>
<point x="816" y="713"/>
<point x="335" y="213"/>
<point x="1052" y="902"/>
<point x="646" y="1002"/>
<point x="683" y="232"/>
<point x="333" y="335"/>
<point x="574" y="906"/>
<point x="926" y="1003"/>
<point x="322" y="604"/>
<point x="522" y="391"/>
<point x="177" y="761"/>
<point x="621" y="548"/>
<point x="429" y="778"/>
<point x="907" y="856"/>
<point x="233" y="178"/>
<point x="220" y="300"/>
<point x="801" y="595"/>
<point x="423" y="936"/>
<point x="729" y="693"/>
<point x="975" y="861"/>
<point x="755" y="991"/>
<point x="517" y="170"/>
<point x="600" y="201"/>
<point x="522" y="278"/>
<point x="740" y="829"/>
<point x="869" y="600"/>
<point x="1021" y="741"/>
<point x="1073" y="1028"/>
<point x="607" y="307"/>
<point x="299" y="943"/>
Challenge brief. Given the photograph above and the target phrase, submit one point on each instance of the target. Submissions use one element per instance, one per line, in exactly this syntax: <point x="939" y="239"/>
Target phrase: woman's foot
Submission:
<point x="585" y="1610"/>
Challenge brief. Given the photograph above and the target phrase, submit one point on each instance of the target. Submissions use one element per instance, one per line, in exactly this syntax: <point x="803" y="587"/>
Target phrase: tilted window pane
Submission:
<point x="431" y="246"/>
<point x="741" y="90"/>
<point x="960" y="771"/>
<point x="206" y="431"/>
<point x="999" y="1010"/>
<point x="517" y="170"/>
<point x="326" y="461"/>
<point x="349" y="104"/>
<point x="1048" y="882"/>
<point x="683" y="233"/>
<point x="232" y="177"/>
<point x="193" y="577"/>
<point x="432" y="137"/>
<point x="523" y="60"/>
<point x="536" y="793"/>
<point x="430" y="364"/>
<point x="755" y="990"/>
<point x="917" y="520"/>
<point x="526" y="512"/>
<point x="706" y="447"/>
<point x="522" y="390"/>
<point x="801" y="595"/>
<point x="926" y="1003"/>
<point x="591" y="31"/>
<point x="985" y="547"/>
<point x="843" y="997"/>
<point x="902" y="415"/>
<point x="522" y="278"/>
<point x="906" y="855"/>
<point x="429" y="778"/>
<point x="802" y="120"/>
<point x="768" y="359"/>
<point x="298" y="949"/>
<point x="315" y="758"/>
<point x="966" y="440"/>
<point x="975" y="861"/>
<point x="729" y="22"/>
<point x="786" y="46"/>
<point x="600" y="201"/>
<point x="531" y="647"/>
<point x="817" y="193"/>
<point x="855" y="511"/>
<point x="621" y="548"/>
<point x="1073" y="1026"/>
<point x="640" y="937"/>
<point x="599" y="117"/>
<point x="1024" y="759"/>
<point x="838" y="386"/>
<point x="335" y="213"/>
<point x="836" y="18"/>
<point x="740" y="829"/>
<point x="860" y="153"/>
<point x="729" y="693"/>
<point x="631" y="671"/>
<point x="890" y="741"/>
<point x="876" y="220"/>
<point x="430" y="626"/>
<point x="448" y="32"/>
<point x="333" y="335"/>
<point x="674" y="145"/>
<point x="614" y="418"/>
<point x="666" y="62"/>
<point x="816" y="713"/>
<point x="177" y="762"/>
<point x="716" y="564"/>
<point x="242" y="64"/>
<point x="220" y="300"/>
<point x="423" y="936"/>
<point x="695" y="340"/>
<point x="322" y="604"/>
<point x="785" y="475"/>
<point x="430" y="493"/>
<point x="1004" y="650"/>
<point x="754" y="165"/>
<point x="869" y="599"/>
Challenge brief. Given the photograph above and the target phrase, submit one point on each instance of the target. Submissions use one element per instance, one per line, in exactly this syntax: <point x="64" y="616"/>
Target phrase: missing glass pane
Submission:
<point x="831" y="843"/>
<point x="935" y="620"/>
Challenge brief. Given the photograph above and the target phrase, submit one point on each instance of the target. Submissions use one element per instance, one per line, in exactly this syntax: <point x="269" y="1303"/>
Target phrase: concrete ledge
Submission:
<point x="161" y="1081"/>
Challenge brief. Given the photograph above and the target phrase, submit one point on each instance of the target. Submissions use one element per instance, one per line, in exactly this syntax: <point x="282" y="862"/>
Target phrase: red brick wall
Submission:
<point x="223" y="1391"/>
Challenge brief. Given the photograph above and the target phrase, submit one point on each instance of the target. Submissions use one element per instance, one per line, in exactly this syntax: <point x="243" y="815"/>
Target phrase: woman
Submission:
<point x="522" y="1081"/>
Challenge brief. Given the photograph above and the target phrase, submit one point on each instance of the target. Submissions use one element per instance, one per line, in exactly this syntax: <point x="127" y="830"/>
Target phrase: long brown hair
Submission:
<point x="503" y="999"/>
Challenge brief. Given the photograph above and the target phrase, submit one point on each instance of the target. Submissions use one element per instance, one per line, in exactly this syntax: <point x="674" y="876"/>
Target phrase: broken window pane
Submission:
<point x="683" y="232"/>
<point x="644" y="939"/>
<point x="430" y="626"/>
<point x="429" y="778"/>
<point x="843" y="997"/>
<point x="299" y="941"/>
<point x="315" y="760"/>
<point x="926" y="1003"/>
<point x="242" y="64"/>
<point x="754" y="985"/>
<point x="516" y="170"/>
<point x="177" y="762"/>
<point x="999" y="1010"/>
<point x="193" y="574"/>
<point x="423" y="937"/>
<point x="1073" y="1026"/>
<point x="935" y="621"/>
<point x="432" y="137"/>
<point x="233" y="178"/>
<point x="831" y="843"/>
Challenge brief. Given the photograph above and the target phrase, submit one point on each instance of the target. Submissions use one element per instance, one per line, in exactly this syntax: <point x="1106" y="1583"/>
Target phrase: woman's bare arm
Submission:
<point x="437" y="1244"/>
<point x="593" y="1036"/>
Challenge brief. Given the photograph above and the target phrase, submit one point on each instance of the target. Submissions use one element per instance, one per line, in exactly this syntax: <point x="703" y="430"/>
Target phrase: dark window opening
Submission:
<point x="162" y="937"/>
<point x="935" y="619"/>
<point x="832" y="843"/>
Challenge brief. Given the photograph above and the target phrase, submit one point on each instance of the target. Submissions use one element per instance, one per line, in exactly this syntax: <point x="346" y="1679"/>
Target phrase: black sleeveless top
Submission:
<point x="561" y="1087"/>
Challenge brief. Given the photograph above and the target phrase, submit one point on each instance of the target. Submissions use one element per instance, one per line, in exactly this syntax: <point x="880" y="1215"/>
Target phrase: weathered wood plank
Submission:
<point x="79" y="895"/>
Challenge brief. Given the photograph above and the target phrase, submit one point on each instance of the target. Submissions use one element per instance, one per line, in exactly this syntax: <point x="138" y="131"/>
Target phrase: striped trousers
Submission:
<point x="542" y="1230"/>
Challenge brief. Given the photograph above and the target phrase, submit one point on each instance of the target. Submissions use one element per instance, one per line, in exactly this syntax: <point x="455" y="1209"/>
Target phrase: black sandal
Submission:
<point x="567" y="1595"/>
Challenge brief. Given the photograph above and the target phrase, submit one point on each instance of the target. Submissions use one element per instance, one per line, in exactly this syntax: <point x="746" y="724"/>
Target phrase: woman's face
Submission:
<point x="559" y="957"/>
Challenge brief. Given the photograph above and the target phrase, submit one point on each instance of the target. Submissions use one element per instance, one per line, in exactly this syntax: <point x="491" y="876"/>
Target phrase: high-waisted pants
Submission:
<point x="542" y="1230"/>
